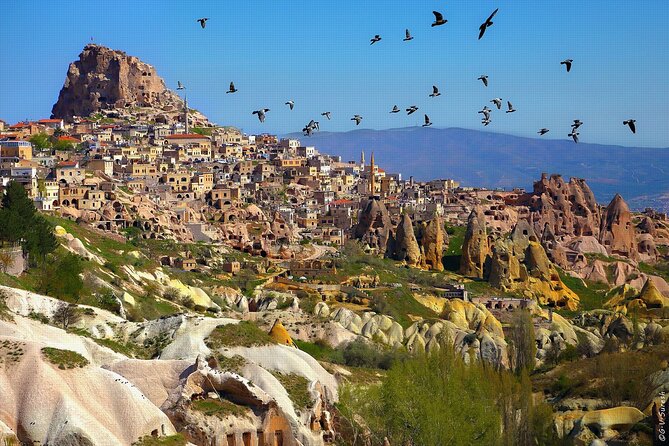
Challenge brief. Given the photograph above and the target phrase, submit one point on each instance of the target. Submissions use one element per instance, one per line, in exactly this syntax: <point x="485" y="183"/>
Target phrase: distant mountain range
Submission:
<point x="486" y="159"/>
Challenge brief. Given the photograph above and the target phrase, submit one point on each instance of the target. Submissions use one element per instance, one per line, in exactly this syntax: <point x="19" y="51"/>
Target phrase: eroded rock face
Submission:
<point x="374" y="226"/>
<point x="568" y="208"/>
<point x="105" y="78"/>
<point x="406" y="246"/>
<point x="475" y="248"/>
<point x="520" y="263"/>
<point x="432" y="245"/>
<point x="617" y="231"/>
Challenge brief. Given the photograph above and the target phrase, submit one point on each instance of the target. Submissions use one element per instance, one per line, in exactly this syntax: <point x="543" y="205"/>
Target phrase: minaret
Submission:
<point x="372" y="179"/>
<point x="186" y="114"/>
<point x="362" y="158"/>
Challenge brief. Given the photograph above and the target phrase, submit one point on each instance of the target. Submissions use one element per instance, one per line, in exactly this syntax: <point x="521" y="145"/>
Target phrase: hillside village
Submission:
<point x="185" y="228"/>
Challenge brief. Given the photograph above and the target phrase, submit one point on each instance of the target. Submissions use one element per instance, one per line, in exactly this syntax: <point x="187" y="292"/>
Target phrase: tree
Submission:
<point x="40" y="141"/>
<point x="60" y="278"/>
<point x="63" y="145"/>
<point x="523" y="343"/>
<point x="66" y="315"/>
<point x="20" y="222"/>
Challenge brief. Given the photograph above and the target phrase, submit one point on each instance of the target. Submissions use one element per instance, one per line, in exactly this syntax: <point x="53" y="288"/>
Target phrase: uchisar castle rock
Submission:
<point x="213" y="287"/>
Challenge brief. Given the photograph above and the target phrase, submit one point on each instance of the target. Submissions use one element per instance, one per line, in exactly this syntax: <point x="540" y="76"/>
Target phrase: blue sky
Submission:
<point x="318" y="54"/>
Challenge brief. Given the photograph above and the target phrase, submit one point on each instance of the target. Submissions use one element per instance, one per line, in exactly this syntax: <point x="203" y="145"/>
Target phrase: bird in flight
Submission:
<point x="408" y="36"/>
<point x="411" y="110"/>
<point x="483" y="78"/>
<point x="357" y="119"/>
<point x="511" y="109"/>
<point x="375" y="39"/>
<point x="486" y="112"/>
<point x="631" y="123"/>
<point x="290" y="104"/>
<point x="487" y="24"/>
<point x="542" y="132"/>
<point x="232" y="88"/>
<point x="567" y="63"/>
<point x="309" y="128"/>
<point x="427" y="121"/>
<point x="261" y="114"/>
<point x="435" y="92"/>
<point x="574" y="135"/>
<point x="438" y="19"/>
<point x="486" y="121"/>
<point x="577" y="123"/>
<point x="497" y="102"/>
<point x="326" y="114"/>
<point x="203" y="22"/>
<point x="180" y="86"/>
<point x="395" y="109"/>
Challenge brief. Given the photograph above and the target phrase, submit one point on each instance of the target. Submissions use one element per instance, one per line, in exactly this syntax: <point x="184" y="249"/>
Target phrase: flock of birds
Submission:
<point x="439" y="20"/>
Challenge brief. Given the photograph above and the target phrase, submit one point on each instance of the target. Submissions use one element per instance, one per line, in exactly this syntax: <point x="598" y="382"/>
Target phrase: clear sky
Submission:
<point x="318" y="54"/>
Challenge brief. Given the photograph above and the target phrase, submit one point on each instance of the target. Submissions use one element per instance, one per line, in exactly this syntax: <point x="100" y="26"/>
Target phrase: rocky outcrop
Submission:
<point x="555" y="251"/>
<point x="374" y="226"/>
<point x="406" y="246"/>
<point x="570" y="209"/>
<point x="475" y="248"/>
<point x="432" y="243"/>
<point x="617" y="231"/>
<point x="520" y="263"/>
<point x="627" y="300"/>
<point x="103" y="78"/>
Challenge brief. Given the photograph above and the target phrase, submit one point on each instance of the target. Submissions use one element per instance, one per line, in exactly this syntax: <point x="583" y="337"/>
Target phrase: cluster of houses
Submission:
<point x="84" y="164"/>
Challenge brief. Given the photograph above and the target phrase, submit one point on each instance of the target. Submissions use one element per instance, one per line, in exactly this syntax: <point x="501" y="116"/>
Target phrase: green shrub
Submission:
<point x="64" y="359"/>
<point x="297" y="387"/>
<point x="219" y="408"/>
<point x="243" y="334"/>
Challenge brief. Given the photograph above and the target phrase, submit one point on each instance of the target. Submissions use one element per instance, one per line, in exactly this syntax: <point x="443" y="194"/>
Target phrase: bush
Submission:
<point x="107" y="301"/>
<point x="61" y="277"/>
<point x="66" y="315"/>
<point x="64" y="359"/>
<point x="243" y="334"/>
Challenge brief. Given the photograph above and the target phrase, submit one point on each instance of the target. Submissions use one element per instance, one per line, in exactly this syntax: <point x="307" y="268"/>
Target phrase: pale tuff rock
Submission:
<point x="475" y="248"/>
<point x="374" y="226"/>
<point x="617" y="231"/>
<point x="406" y="246"/>
<point x="104" y="78"/>
<point x="432" y="241"/>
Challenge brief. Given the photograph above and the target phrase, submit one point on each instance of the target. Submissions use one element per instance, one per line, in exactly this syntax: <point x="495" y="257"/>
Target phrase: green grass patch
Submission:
<point x="232" y="364"/>
<point x="64" y="359"/>
<point x="172" y="440"/>
<point x="591" y="294"/>
<point x="320" y="350"/>
<point x="219" y="408"/>
<point x="243" y="334"/>
<point x="297" y="387"/>
<point x="401" y="303"/>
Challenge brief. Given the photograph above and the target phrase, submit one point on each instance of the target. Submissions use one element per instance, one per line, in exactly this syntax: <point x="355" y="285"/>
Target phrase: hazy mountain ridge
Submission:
<point x="486" y="159"/>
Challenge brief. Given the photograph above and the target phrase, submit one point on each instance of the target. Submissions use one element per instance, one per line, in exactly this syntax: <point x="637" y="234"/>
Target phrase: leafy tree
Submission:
<point x="20" y="222"/>
<point x="63" y="145"/>
<point x="40" y="141"/>
<point x="60" y="278"/>
<point x="523" y="343"/>
<point x="66" y="315"/>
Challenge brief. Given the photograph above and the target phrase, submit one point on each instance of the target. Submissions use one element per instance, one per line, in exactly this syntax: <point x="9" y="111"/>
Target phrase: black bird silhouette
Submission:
<point x="326" y="114"/>
<point x="411" y="110"/>
<point x="427" y="121"/>
<point x="375" y="39"/>
<point x="486" y="121"/>
<point x="486" y="112"/>
<point x="497" y="102"/>
<point x="484" y="79"/>
<point x="290" y="104"/>
<point x="357" y="119"/>
<point x="511" y="109"/>
<point x="567" y="63"/>
<point x="261" y="114"/>
<point x="395" y="109"/>
<point x="631" y="124"/>
<point x="577" y="123"/>
<point x="542" y="132"/>
<point x="438" y="19"/>
<point x="574" y="135"/>
<point x="203" y="21"/>
<point x="180" y="86"/>
<point x="232" y="88"/>
<point x="309" y="128"/>
<point x="408" y="36"/>
<point x="487" y="24"/>
<point x="435" y="92"/>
